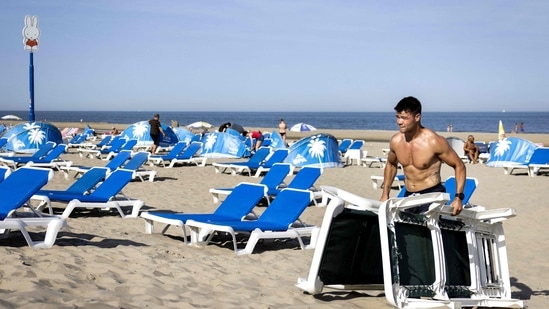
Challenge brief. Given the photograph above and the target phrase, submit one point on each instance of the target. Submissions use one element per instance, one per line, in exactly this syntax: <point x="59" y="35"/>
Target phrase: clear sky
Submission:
<point x="284" y="55"/>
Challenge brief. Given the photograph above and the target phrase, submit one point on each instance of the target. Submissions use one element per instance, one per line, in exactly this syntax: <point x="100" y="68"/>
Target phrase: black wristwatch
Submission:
<point x="460" y="196"/>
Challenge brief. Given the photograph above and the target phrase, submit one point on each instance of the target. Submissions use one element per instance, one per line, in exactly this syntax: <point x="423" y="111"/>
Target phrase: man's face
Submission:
<point x="406" y="121"/>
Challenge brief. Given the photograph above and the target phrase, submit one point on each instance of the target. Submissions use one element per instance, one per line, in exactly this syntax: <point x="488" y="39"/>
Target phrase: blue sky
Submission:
<point x="288" y="55"/>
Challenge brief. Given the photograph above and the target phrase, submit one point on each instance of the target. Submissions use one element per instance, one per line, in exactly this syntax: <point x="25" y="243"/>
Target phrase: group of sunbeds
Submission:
<point x="237" y="213"/>
<point x="100" y="187"/>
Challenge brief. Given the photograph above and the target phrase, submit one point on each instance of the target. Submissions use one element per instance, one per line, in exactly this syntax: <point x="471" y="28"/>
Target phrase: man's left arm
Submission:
<point x="450" y="157"/>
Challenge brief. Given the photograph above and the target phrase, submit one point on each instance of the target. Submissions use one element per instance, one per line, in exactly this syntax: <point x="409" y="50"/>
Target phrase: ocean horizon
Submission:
<point x="534" y="122"/>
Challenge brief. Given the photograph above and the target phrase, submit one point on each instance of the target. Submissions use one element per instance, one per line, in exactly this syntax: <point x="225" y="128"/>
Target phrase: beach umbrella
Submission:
<point x="302" y="127"/>
<point x="223" y="145"/>
<point x="183" y="134"/>
<point x="199" y="125"/>
<point x="140" y="132"/>
<point x="510" y="150"/>
<point x="501" y="132"/>
<point x="319" y="150"/>
<point x="237" y="127"/>
<point x="11" y="117"/>
<point x="28" y="137"/>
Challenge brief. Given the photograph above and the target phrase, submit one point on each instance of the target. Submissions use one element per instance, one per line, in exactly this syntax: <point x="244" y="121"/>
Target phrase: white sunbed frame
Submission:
<point x="488" y="265"/>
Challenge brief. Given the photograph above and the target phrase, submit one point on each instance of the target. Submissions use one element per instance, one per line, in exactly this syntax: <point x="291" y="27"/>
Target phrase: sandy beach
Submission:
<point x="103" y="261"/>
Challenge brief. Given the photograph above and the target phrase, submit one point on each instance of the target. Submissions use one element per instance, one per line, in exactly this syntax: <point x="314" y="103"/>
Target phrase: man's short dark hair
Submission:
<point x="409" y="104"/>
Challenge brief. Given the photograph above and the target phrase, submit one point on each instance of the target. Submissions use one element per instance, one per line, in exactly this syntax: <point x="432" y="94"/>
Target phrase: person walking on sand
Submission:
<point x="421" y="152"/>
<point x="282" y="127"/>
<point x="155" y="131"/>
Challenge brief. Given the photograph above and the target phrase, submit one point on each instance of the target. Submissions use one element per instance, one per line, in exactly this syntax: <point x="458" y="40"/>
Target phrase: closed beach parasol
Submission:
<point x="199" y="125"/>
<point x="501" y="132"/>
<point x="302" y="127"/>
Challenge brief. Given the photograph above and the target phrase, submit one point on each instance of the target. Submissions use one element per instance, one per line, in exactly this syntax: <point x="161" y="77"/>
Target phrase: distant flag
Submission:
<point x="501" y="134"/>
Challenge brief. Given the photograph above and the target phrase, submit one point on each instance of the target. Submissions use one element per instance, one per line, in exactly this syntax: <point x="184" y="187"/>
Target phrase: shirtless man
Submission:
<point x="421" y="152"/>
<point x="471" y="149"/>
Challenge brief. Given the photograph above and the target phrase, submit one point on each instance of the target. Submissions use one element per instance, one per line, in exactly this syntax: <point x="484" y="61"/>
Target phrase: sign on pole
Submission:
<point x="30" y="42"/>
<point x="31" y="33"/>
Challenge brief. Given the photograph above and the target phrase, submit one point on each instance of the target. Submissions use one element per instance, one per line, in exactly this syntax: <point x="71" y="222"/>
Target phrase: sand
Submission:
<point x="103" y="261"/>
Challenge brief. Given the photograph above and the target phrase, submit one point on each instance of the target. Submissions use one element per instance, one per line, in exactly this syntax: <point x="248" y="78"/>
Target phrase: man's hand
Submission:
<point x="457" y="206"/>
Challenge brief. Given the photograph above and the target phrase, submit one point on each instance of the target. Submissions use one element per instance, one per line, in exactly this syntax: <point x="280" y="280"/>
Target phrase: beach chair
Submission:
<point x="113" y="146"/>
<point x="439" y="260"/>
<point x="174" y="152"/>
<point x="272" y="180"/>
<point x="259" y="156"/>
<point x="82" y="185"/>
<point x="103" y="143"/>
<point x="303" y="180"/>
<point x="15" y="191"/>
<point x="277" y="156"/>
<point x="4" y="172"/>
<point x="105" y="196"/>
<point x="377" y="181"/>
<point x="457" y="144"/>
<point x="354" y="152"/>
<point x="238" y="205"/>
<point x="136" y="164"/>
<point x="77" y="141"/>
<point x="471" y="184"/>
<point x="116" y="162"/>
<point x="371" y="161"/>
<point x="38" y="154"/>
<point x="128" y="145"/>
<point x="276" y="222"/>
<point x="52" y="159"/>
<point x="538" y="160"/>
<point x="189" y="156"/>
<point x="344" y="145"/>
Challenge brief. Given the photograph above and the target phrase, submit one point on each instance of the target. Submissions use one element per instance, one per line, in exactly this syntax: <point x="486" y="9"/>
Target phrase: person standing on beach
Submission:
<point x="155" y="131"/>
<point x="282" y="127"/>
<point x="421" y="152"/>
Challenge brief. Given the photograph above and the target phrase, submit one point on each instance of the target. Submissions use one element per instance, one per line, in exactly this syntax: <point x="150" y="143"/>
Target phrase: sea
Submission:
<point x="533" y="122"/>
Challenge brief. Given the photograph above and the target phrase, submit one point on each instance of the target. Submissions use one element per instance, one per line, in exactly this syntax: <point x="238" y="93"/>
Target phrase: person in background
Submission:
<point x="282" y="127"/>
<point x="155" y="131"/>
<point x="257" y="138"/>
<point x="471" y="149"/>
<point x="114" y="131"/>
<point x="522" y="127"/>
<point x="515" y="129"/>
<point x="224" y="127"/>
<point x="421" y="152"/>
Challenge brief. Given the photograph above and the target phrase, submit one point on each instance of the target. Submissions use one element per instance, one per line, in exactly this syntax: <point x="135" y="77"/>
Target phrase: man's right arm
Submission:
<point x="389" y="174"/>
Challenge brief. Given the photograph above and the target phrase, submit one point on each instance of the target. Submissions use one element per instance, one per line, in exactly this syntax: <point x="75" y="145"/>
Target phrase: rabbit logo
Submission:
<point x="31" y="33"/>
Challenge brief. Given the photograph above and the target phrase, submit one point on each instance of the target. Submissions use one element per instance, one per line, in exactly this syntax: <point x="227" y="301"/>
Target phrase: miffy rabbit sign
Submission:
<point x="31" y="33"/>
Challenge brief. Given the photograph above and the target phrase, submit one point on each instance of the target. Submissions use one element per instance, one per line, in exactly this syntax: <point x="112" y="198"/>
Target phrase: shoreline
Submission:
<point x="367" y="135"/>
